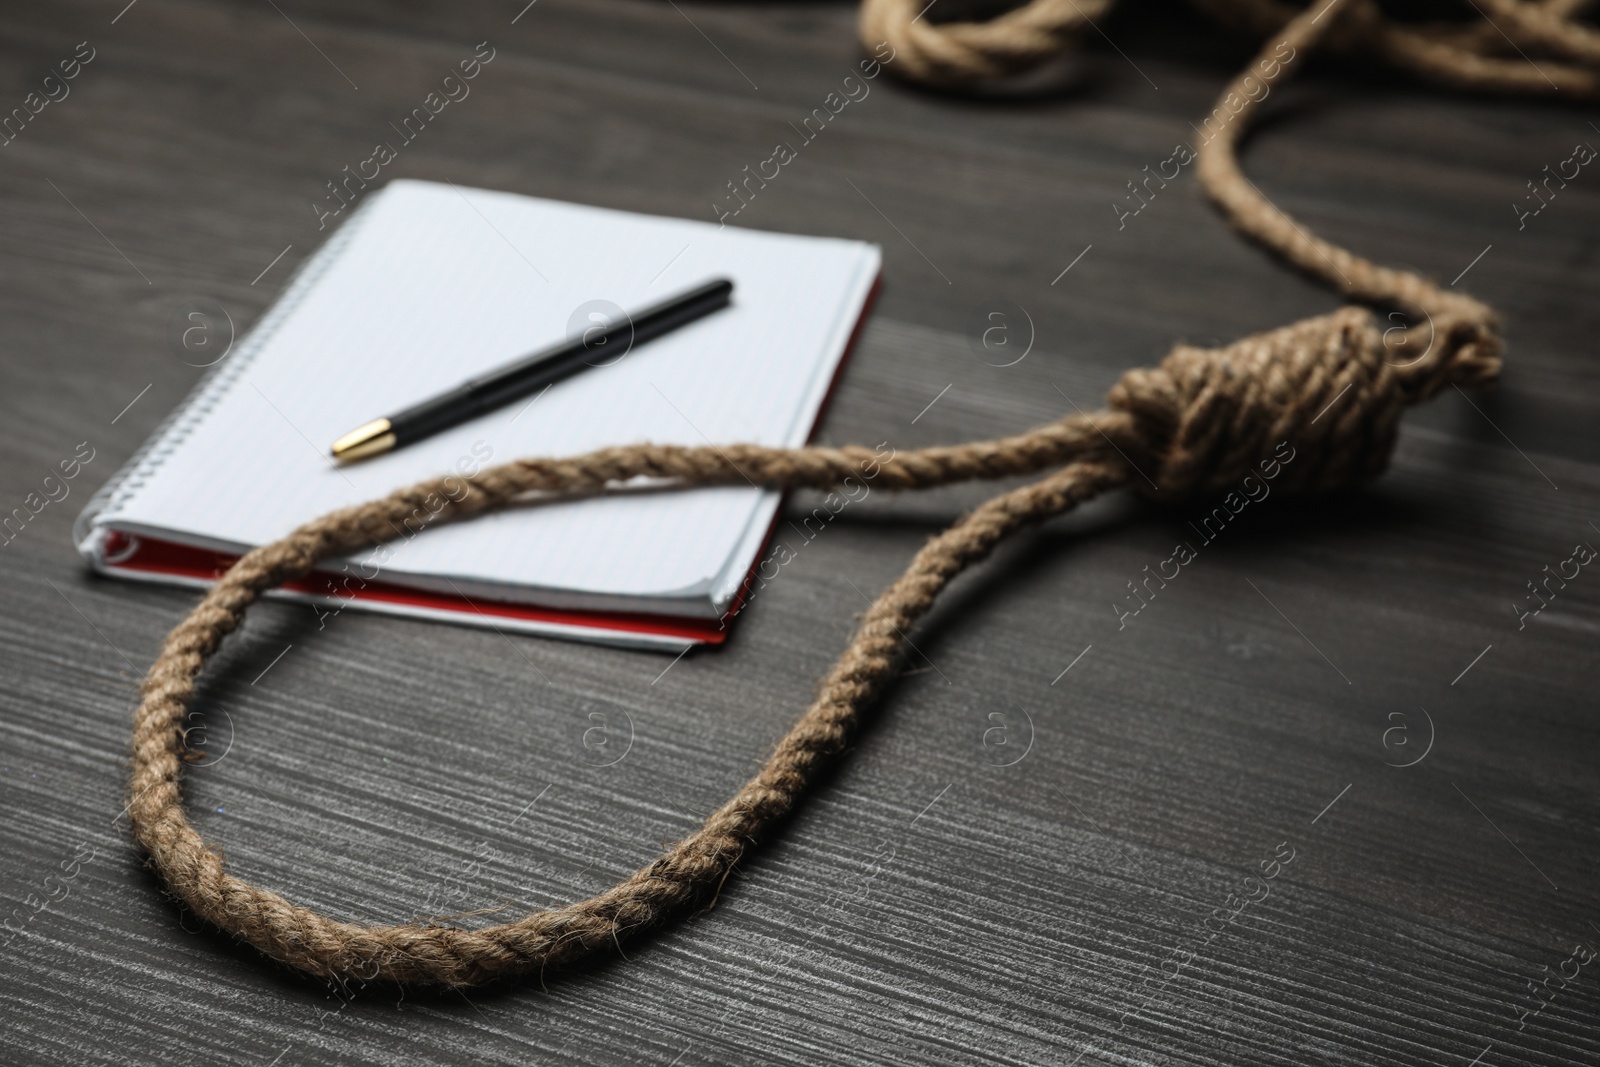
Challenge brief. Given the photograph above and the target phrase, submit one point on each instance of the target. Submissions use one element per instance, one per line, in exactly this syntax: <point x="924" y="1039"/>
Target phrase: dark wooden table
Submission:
<point x="1016" y="863"/>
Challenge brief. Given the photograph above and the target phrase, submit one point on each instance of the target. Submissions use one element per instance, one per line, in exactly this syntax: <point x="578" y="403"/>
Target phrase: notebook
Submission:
<point x="427" y="285"/>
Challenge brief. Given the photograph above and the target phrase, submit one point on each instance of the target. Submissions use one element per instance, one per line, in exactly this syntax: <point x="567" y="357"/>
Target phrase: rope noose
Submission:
<point x="1332" y="387"/>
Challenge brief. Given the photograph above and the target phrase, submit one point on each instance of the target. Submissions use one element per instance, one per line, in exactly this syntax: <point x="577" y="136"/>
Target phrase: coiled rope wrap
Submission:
<point x="1333" y="386"/>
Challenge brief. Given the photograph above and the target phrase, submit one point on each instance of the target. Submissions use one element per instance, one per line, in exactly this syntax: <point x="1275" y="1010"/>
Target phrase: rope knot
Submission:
<point x="1206" y="417"/>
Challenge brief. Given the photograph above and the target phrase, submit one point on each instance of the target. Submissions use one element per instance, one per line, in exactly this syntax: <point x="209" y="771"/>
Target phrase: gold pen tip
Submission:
<point x="363" y="441"/>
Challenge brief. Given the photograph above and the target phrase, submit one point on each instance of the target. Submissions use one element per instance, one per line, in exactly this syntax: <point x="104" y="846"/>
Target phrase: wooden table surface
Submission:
<point x="1017" y="861"/>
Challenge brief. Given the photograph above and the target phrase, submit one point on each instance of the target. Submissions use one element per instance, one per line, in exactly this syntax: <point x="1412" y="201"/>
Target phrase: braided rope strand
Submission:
<point x="1326" y="385"/>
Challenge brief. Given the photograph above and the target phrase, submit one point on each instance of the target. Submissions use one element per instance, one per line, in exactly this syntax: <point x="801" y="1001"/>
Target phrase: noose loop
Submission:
<point x="1332" y="387"/>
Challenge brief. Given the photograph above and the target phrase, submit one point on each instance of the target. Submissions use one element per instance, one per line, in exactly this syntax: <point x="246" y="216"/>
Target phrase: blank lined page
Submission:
<point x="429" y="285"/>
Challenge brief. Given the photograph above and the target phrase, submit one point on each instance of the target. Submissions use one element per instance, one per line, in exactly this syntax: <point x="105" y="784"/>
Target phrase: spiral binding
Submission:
<point x="206" y="394"/>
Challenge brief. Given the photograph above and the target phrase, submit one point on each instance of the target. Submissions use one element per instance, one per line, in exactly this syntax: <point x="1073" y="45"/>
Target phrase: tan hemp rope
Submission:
<point x="1333" y="386"/>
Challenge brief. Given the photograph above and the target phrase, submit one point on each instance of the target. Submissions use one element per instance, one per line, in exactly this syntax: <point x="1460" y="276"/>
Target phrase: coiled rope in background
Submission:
<point x="1327" y="385"/>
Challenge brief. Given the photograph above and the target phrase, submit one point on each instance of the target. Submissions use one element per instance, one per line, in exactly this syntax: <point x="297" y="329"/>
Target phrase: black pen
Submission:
<point x="473" y="398"/>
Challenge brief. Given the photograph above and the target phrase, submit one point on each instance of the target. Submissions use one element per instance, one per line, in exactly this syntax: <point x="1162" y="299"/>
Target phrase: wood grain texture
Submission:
<point x="928" y="904"/>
